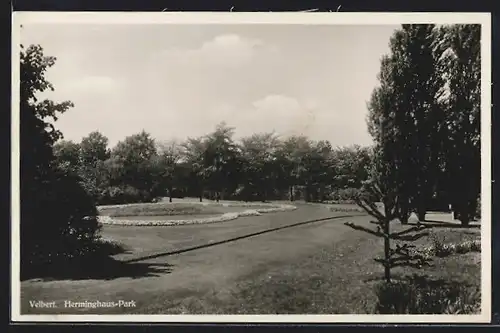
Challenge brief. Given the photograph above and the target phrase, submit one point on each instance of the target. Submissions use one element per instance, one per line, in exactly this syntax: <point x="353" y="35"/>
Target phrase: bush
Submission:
<point x="468" y="246"/>
<point x="115" y="195"/>
<point x="421" y="296"/>
<point x="345" y="195"/>
<point x="440" y="249"/>
<point x="58" y="220"/>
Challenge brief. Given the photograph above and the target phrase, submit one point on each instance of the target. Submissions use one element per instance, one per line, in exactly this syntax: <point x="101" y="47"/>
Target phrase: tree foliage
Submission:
<point x="427" y="102"/>
<point x="461" y="68"/>
<point x="57" y="216"/>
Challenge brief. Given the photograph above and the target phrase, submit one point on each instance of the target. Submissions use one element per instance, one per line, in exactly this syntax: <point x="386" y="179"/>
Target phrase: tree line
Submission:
<point x="258" y="167"/>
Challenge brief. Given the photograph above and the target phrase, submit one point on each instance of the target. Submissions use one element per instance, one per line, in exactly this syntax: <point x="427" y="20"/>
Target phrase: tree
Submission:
<point x="57" y="216"/>
<point x="166" y="165"/>
<point x="381" y="186"/>
<point x="261" y="169"/>
<point x="461" y="68"/>
<point x="291" y="152"/>
<point x="94" y="148"/>
<point x="420" y="84"/>
<point x="351" y="166"/>
<point x="316" y="169"/>
<point x="67" y="155"/>
<point x="411" y="87"/>
<point x="93" y="153"/>
<point x="193" y="152"/>
<point x="220" y="160"/>
<point x="134" y="155"/>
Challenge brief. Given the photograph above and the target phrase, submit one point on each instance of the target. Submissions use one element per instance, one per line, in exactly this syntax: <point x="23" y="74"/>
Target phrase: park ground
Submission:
<point x="252" y="265"/>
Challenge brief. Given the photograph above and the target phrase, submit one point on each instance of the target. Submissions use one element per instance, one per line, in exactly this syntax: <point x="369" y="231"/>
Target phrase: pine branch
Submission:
<point x="401" y="250"/>
<point x="382" y="261"/>
<point x="409" y="238"/>
<point x="409" y="230"/>
<point x="371" y="209"/>
<point x="357" y="227"/>
<point x="377" y="223"/>
<point x="409" y="258"/>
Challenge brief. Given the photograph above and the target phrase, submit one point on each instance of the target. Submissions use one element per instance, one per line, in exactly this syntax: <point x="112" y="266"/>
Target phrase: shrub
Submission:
<point x="112" y="195"/>
<point x="345" y="195"/>
<point x="468" y="246"/>
<point x="439" y="248"/>
<point x="58" y="223"/>
<point x="124" y="195"/>
<point x="421" y="296"/>
<point x="467" y="303"/>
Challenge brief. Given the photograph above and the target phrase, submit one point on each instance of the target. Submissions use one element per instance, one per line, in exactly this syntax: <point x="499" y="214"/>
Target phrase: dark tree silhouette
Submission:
<point x="58" y="218"/>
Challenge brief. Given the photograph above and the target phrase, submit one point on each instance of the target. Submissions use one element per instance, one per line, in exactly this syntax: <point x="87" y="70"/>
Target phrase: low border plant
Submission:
<point x="220" y="218"/>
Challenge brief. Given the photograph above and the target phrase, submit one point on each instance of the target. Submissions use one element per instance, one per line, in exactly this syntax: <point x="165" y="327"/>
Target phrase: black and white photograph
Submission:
<point x="251" y="167"/>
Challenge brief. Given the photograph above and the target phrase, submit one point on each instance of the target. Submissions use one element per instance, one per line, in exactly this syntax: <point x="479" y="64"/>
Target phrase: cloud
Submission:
<point x="282" y="114"/>
<point x="228" y="50"/>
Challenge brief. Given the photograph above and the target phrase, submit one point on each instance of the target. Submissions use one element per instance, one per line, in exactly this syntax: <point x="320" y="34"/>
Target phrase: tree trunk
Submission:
<point x="463" y="215"/>
<point x="291" y="193"/>
<point x="473" y="209"/>
<point x="170" y="194"/>
<point x="421" y="212"/>
<point x="387" y="252"/>
<point x="404" y="213"/>
<point x="404" y="216"/>
<point x="201" y="195"/>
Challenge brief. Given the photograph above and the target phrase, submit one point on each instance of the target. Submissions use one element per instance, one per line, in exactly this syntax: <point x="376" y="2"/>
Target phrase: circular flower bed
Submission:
<point x="105" y="219"/>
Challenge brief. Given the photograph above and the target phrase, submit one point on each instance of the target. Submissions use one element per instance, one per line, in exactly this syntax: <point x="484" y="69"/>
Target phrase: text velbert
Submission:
<point x="85" y="304"/>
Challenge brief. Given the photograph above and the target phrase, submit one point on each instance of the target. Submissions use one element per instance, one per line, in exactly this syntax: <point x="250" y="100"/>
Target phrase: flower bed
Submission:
<point x="221" y="218"/>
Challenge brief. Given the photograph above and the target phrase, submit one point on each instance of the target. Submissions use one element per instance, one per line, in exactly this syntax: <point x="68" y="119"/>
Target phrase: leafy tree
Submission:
<point x="57" y="216"/>
<point x="386" y="109"/>
<point x="93" y="153"/>
<point x="67" y="155"/>
<point x="316" y="169"/>
<point x="133" y="158"/>
<point x="420" y="85"/>
<point x="166" y="165"/>
<point x="291" y="153"/>
<point x="94" y="148"/>
<point x="261" y="170"/>
<point x="461" y="67"/>
<point x="220" y="160"/>
<point x="350" y="166"/>
<point x="193" y="152"/>
<point x="411" y="87"/>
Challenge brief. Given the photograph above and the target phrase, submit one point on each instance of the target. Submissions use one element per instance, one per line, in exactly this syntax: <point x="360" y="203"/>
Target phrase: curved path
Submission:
<point x="167" y="264"/>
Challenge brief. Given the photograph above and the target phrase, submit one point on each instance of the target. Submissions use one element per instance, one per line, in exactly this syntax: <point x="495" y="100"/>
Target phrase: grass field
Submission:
<point x="252" y="265"/>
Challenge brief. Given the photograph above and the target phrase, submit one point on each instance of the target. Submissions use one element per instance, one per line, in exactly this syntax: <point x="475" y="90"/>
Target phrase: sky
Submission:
<point x="179" y="81"/>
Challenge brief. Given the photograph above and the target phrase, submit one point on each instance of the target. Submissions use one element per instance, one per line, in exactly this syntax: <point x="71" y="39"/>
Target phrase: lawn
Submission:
<point x="171" y="209"/>
<point x="252" y="265"/>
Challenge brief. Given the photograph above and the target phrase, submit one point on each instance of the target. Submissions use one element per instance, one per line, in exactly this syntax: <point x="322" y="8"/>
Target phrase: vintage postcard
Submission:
<point x="251" y="167"/>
